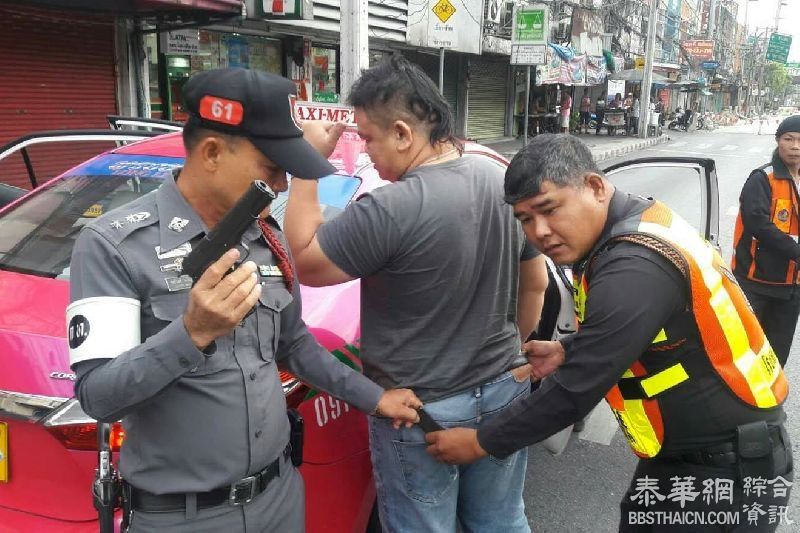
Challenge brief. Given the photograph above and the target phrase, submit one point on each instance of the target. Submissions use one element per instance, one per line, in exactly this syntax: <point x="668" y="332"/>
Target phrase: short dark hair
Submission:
<point x="400" y="87"/>
<point x="561" y="159"/>
<point x="194" y="132"/>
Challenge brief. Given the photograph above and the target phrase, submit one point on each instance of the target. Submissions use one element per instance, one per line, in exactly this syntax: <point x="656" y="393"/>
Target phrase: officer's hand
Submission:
<point x="456" y="446"/>
<point x="322" y="135"/>
<point x="544" y="356"/>
<point x="217" y="303"/>
<point x="401" y="405"/>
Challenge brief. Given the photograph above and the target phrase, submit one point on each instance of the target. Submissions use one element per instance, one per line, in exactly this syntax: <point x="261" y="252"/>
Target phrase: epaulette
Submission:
<point x="118" y="224"/>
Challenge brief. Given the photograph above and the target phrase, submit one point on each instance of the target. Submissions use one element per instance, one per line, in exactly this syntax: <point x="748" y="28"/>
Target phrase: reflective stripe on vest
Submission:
<point x="784" y="215"/>
<point x="731" y="336"/>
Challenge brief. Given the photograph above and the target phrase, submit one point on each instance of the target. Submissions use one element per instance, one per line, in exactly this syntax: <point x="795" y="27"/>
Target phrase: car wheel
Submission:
<point x="374" y="522"/>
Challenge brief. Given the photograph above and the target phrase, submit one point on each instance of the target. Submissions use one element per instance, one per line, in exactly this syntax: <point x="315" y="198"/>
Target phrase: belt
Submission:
<point x="238" y="493"/>
<point x="724" y="454"/>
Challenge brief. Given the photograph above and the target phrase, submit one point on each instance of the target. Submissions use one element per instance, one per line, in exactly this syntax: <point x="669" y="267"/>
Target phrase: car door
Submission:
<point x="687" y="185"/>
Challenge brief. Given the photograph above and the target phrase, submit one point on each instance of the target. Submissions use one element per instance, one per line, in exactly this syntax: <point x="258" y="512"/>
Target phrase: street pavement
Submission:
<point x="579" y="491"/>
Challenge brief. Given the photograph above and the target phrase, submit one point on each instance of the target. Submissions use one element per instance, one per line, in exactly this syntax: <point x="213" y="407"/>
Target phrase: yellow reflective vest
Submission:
<point x="729" y="332"/>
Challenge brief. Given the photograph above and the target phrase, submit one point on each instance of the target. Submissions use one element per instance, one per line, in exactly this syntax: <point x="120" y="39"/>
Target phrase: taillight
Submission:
<point x="78" y="431"/>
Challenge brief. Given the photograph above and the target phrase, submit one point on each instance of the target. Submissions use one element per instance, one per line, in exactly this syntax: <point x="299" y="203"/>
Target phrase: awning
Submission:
<point x="140" y="7"/>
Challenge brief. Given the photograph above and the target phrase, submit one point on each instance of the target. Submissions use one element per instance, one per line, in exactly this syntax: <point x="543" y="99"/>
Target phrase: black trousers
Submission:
<point x="778" y="317"/>
<point x="600" y="116"/>
<point x="676" y="496"/>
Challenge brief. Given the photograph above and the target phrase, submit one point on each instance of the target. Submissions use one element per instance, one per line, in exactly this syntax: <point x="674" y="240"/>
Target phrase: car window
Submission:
<point x="682" y="187"/>
<point x="37" y="234"/>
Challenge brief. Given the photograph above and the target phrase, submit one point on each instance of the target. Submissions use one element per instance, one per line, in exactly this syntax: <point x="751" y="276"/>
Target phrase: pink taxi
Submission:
<point x="48" y="445"/>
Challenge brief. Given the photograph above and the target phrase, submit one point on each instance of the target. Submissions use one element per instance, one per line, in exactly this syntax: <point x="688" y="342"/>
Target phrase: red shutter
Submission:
<point x="56" y="72"/>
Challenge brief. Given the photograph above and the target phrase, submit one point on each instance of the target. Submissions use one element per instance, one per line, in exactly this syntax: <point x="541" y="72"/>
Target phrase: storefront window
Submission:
<point x="323" y="75"/>
<point x="214" y="50"/>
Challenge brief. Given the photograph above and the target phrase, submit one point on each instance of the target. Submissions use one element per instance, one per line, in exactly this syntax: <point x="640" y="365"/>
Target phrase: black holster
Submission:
<point x="755" y="450"/>
<point x="296" y="432"/>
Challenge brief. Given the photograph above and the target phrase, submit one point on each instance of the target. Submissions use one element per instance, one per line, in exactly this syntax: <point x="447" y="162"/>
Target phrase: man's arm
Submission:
<point x="302" y="220"/>
<point x="756" y="207"/>
<point x="633" y="293"/>
<point x="110" y="387"/>
<point x="532" y="285"/>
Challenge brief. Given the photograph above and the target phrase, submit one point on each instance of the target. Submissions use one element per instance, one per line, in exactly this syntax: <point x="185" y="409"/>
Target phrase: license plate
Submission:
<point x="3" y="452"/>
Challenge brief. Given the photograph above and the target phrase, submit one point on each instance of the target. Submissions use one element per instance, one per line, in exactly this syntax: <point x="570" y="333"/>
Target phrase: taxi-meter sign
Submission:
<point x="443" y="10"/>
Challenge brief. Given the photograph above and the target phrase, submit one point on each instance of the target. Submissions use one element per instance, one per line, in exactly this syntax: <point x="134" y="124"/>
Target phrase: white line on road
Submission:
<point x="601" y="425"/>
<point x="704" y="146"/>
<point x="679" y="143"/>
<point x="729" y="147"/>
<point x="755" y="149"/>
<point x="732" y="211"/>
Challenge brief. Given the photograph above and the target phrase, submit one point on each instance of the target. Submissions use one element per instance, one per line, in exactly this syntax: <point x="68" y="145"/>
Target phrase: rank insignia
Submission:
<point x="177" y="224"/>
<point x="270" y="271"/>
<point x="137" y="217"/>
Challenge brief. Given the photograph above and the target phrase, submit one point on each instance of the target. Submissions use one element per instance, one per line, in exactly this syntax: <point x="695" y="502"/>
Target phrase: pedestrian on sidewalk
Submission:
<point x="665" y="335"/>
<point x="600" y="112"/>
<point x="566" y="109"/>
<point x="444" y="268"/>
<point x="766" y="258"/>
<point x="635" y="116"/>
<point x="586" y="111"/>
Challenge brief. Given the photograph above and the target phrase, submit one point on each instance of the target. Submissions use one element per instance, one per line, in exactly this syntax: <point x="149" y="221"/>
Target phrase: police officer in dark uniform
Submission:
<point x="192" y="371"/>
<point x="766" y="259"/>
<point x="665" y="335"/>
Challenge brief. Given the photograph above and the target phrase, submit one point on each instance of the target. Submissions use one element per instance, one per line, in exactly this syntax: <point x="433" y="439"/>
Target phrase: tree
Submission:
<point x="777" y="79"/>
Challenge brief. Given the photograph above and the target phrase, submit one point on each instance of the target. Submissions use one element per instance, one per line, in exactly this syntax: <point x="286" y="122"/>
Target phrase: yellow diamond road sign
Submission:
<point x="444" y="10"/>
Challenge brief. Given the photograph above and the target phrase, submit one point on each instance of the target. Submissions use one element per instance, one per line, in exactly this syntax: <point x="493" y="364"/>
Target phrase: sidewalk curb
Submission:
<point x="617" y="151"/>
<point x="605" y="153"/>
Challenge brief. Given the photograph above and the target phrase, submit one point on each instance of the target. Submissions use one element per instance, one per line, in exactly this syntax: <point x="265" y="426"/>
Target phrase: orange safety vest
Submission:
<point x="758" y="263"/>
<point x="729" y="332"/>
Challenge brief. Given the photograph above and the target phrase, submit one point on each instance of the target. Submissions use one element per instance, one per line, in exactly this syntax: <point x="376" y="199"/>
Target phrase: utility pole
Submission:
<point x="778" y="15"/>
<point x="354" y="43"/>
<point x="647" y="82"/>
<point x="712" y="16"/>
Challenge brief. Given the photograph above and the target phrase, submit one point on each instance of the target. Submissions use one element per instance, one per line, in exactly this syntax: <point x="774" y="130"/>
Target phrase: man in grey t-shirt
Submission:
<point x="444" y="268"/>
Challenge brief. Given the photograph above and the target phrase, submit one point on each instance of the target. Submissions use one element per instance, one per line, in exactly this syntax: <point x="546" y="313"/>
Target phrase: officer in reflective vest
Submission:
<point x="766" y="249"/>
<point x="666" y="336"/>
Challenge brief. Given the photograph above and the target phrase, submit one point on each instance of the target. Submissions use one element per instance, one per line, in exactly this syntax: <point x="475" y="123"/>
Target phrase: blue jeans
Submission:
<point x="416" y="493"/>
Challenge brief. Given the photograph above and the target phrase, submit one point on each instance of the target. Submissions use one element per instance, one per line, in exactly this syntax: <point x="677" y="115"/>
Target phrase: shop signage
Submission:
<point x="638" y="62"/>
<point x="182" y="42"/>
<point x="320" y="111"/>
<point x="710" y="65"/>
<point x="450" y="24"/>
<point x="699" y="49"/>
<point x="529" y="35"/>
<point x="793" y="69"/>
<point x="280" y="9"/>
<point x="778" y="48"/>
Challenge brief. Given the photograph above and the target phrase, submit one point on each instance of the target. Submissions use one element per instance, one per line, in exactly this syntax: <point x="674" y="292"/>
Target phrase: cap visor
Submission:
<point x="296" y="156"/>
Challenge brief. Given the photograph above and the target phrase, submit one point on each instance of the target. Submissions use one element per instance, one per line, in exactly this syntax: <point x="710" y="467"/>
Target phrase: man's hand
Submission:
<point x="217" y="303"/>
<point x="401" y="405"/>
<point x="456" y="446"/>
<point x="323" y="135"/>
<point x="544" y="356"/>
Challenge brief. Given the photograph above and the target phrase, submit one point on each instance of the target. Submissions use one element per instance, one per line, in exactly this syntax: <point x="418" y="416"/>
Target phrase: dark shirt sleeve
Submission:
<point x="633" y="292"/>
<point x="362" y="239"/>
<point x="108" y="389"/>
<point x="529" y="251"/>
<point x="305" y="358"/>
<point x="756" y="209"/>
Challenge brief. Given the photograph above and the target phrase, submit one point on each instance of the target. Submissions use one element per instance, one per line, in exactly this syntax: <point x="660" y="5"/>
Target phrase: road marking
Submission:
<point x="732" y="211"/>
<point x="729" y="147"/>
<point x="601" y="425"/>
<point x="755" y="149"/>
<point x="679" y="143"/>
<point x="704" y="146"/>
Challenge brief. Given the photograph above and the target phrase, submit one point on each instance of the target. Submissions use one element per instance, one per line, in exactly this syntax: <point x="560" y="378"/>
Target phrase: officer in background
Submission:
<point x="665" y="335"/>
<point x="766" y="252"/>
<point x="200" y="398"/>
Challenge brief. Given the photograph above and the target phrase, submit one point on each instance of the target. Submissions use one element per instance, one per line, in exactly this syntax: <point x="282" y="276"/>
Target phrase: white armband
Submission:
<point x="102" y="327"/>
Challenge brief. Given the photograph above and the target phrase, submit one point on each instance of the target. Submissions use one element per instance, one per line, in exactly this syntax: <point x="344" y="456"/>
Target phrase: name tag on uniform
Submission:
<point x="270" y="271"/>
<point x="181" y="251"/>
<point x="179" y="284"/>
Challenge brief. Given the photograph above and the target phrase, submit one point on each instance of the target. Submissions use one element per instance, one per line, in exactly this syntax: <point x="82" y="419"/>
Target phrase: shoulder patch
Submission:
<point x="119" y="223"/>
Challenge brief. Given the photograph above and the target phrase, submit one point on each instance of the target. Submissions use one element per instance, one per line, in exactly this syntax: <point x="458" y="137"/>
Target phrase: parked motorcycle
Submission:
<point x="682" y="120"/>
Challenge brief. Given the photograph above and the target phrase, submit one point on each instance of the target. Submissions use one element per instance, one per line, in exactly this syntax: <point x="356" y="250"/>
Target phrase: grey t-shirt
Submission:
<point x="438" y="253"/>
